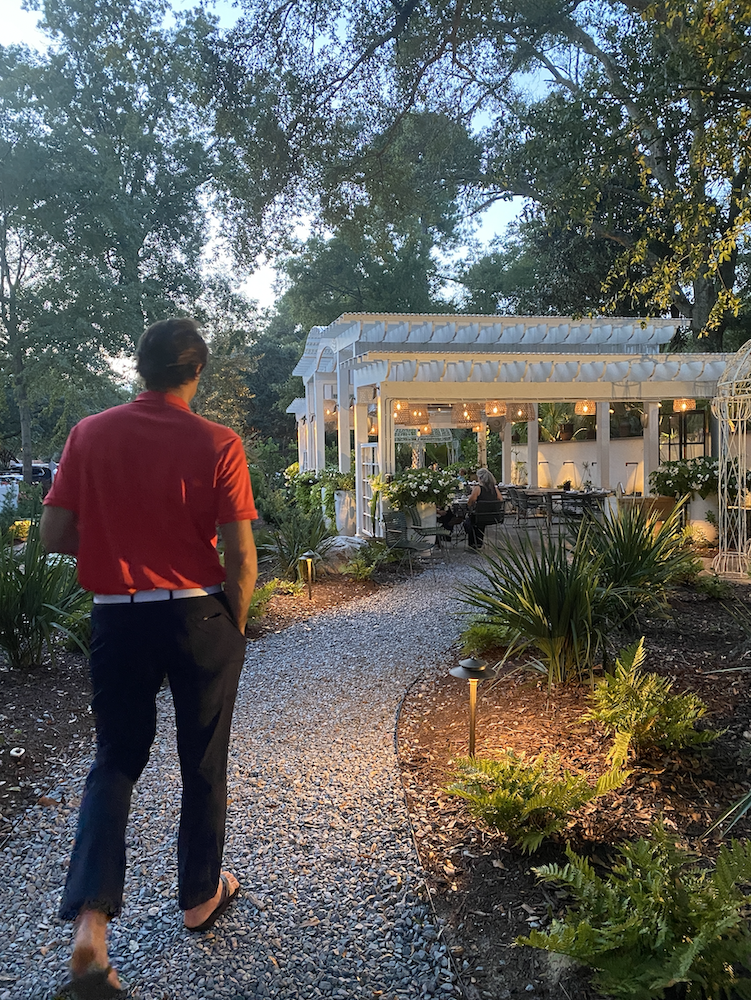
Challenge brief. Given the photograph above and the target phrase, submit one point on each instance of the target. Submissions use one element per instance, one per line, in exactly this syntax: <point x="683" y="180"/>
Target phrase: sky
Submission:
<point x="19" y="26"/>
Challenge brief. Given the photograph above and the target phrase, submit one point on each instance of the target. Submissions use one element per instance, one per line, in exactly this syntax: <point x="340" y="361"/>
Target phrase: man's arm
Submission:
<point x="241" y="565"/>
<point x="58" y="530"/>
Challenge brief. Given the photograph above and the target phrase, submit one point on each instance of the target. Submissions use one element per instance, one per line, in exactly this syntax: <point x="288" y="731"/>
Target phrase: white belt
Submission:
<point x="146" y="596"/>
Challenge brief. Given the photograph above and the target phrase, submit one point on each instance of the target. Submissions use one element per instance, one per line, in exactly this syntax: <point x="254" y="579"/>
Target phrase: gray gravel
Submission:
<point x="333" y="902"/>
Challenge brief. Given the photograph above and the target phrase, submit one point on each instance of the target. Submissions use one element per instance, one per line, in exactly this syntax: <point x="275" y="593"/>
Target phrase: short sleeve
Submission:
<point x="66" y="484"/>
<point x="235" y="493"/>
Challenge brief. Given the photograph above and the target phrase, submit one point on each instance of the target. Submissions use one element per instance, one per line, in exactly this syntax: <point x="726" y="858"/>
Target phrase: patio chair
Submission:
<point x="525" y="506"/>
<point x="487" y="513"/>
<point x="396" y="536"/>
<point x="442" y="535"/>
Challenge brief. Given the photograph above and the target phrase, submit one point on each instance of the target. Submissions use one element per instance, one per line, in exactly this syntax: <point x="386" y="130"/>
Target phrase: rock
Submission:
<point x="341" y="551"/>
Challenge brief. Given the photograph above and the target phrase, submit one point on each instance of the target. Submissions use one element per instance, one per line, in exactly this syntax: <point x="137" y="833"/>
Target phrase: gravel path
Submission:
<point x="333" y="902"/>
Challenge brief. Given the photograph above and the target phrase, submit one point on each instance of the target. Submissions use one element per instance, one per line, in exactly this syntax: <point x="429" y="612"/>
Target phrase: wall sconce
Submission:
<point x="308" y="558"/>
<point x="683" y="405"/>
<point x="471" y="670"/>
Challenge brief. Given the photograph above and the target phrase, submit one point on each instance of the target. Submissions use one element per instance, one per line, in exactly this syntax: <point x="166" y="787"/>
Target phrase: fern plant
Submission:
<point x="527" y="800"/>
<point x="639" y="705"/>
<point x="481" y="636"/>
<point x="657" y="920"/>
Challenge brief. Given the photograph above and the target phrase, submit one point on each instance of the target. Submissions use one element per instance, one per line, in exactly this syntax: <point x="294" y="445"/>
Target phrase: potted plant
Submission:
<point x="338" y="498"/>
<point x="698" y="479"/>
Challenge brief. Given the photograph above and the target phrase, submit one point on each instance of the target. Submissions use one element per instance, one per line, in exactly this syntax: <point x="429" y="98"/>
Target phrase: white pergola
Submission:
<point x="356" y="368"/>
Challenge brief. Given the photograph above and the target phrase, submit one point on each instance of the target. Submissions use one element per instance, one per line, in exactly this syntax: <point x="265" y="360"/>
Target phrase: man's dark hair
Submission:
<point x="170" y="353"/>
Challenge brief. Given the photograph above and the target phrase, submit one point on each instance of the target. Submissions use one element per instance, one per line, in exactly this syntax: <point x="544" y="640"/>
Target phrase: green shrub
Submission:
<point x="528" y="801"/>
<point x="40" y="599"/>
<point x="28" y="506"/>
<point x="298" y="533"/>
<point x="305" y="488"/>
<point x="259" y="602"/>
<point x="639" y="705"/>
<point x="333" y="480"/>
<point x="369" y="558"/>
<point x="657" y="920"/>
<point x="713" y="587"/>
<point x="551" y="601"/>
<point x="638" y="560"/>
<point x="262" y="595"/>
<point x="481" y="636"/>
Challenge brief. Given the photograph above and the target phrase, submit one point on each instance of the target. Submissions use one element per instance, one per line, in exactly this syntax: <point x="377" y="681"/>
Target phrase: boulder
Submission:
<point x="341" y="551"/>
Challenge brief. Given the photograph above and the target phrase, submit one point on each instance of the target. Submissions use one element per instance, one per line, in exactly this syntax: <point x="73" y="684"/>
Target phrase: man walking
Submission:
<point x="138" y="496"/>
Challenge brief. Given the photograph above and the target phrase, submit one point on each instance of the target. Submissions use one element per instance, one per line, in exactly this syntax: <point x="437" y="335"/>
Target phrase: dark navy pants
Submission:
<point x="196" y="644"/>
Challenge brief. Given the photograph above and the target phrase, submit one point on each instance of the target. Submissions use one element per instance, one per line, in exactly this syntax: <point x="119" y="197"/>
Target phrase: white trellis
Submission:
<point x="732" y="408"/>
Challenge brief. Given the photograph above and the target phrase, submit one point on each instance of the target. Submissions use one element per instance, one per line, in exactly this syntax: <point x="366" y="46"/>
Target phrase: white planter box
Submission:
<point x="703" y="516"/>
<point x="346" y="513"/>
<point x="428" y="514"/>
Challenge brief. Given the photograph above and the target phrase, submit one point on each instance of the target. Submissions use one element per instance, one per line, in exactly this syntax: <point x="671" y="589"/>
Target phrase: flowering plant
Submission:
<point x="687" y="475"/>
<point x="413" y="486"/>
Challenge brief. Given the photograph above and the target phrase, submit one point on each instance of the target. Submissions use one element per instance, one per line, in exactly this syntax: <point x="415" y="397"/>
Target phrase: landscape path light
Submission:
<point x="308" y="557"/>
<point x="474" y="671"/>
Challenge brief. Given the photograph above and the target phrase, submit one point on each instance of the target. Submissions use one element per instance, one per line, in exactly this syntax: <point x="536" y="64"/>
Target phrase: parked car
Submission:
<point x="40" y="473"/>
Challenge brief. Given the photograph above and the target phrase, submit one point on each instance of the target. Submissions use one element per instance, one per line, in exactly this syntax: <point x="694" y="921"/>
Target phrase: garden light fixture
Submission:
<point x="585" y="407"/>
<point x="474" y="671"/>
<point x="308" y="557"/>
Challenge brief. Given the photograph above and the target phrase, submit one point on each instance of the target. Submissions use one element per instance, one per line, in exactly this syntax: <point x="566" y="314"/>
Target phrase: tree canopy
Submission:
<point x="102" y="221"/>
<point x="626" y="120"/>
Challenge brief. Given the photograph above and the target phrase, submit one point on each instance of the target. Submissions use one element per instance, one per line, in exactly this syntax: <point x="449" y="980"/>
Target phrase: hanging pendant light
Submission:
<point x="518" y="412"/>
<point x="683" y="405"/>
<point x="585" y="407"/>
<point x="495" y="408"/>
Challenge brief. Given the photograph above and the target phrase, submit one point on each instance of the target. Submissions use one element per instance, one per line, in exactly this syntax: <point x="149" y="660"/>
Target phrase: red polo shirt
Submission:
<point x="149" y="482"/>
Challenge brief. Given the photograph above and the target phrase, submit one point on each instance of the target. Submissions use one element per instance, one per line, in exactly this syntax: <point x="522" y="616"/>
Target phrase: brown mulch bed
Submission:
<point x="485" y="890"/>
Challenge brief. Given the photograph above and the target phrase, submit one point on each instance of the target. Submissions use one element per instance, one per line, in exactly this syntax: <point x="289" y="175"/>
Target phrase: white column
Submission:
<point x="651" y="443"/>
<point x="302" y="437"/>
<point x="482" y="445"/>
<point x="533" y="454"/>
<point x="508" y="429"/>
<point x="361" y="437"/>
<point x="319" y="427"/>
<point x="343" y="419"/>
<point x="603" y="444"/>
<point x="386" y="451"/>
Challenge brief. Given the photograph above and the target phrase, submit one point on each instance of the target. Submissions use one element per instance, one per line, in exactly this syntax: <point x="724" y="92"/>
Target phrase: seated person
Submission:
<point x="486" y="490"/>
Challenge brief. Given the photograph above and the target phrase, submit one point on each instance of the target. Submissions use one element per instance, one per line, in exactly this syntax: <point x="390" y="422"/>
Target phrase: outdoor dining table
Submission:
<point x="584" y="499"/>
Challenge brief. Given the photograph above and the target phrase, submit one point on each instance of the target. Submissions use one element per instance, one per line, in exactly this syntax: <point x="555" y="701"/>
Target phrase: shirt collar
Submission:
<point x="162" y="399"/>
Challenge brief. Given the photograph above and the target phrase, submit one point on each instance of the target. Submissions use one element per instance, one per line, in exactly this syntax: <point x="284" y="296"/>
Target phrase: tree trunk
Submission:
<point x="22" y="401"/>
<point x="705" y="297"/>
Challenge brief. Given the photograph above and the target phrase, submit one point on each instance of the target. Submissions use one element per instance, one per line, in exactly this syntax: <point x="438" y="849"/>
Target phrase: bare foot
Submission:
<point x="196" y="916"/>
<point x="90" y="946"/>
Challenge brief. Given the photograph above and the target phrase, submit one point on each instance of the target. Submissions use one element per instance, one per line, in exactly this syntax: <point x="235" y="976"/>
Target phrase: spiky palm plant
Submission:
<point x="40" y="599"/>
<point x="640" y="559"/>
<point x="548" y="597"/>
